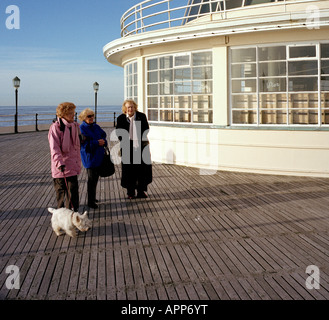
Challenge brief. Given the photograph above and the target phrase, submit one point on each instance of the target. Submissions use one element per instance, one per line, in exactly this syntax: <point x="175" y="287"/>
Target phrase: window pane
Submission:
<point x="166" y="62"/>
<point x="303" y="100"/>
<point x="166" y="102"/>
<point x="152" y="102"/>
<point x="152" y="89"/>
<point x="153" y="115"/>
<point x="166" y="75"/>
<point x="202" y="73"/>
<point x="302" y="52"/>
<point x="325" y="50"/>
<point x="183" y="74"/>
<point x="182" y="116"/>
<point x="152" y="64"/>
<point x="273" y="116"/>
<point x="244" y="55"/>
<point x="202" y="87"/>
<point x="303" y="84"/>
<point x="243" y="86"/>
<point x="325" y="67"/>
<point x="244" y="117"/>
<point x="166" y="88"/>
<point x="182" y="102"/>
<point x="273" y="101"/>
<point x="202" y="103"/>
<point x="298" y="68"/>
<point x="182" y="60"/>
<point x="166" y="115"/>
<point x="202" y="58"/>
<point x="203" y="116"/>
<point x="244" y="101"/>
<point x="272" y="69"/>
<point x="272" y="53"/>
<point x="303" y="116"/>
<point x="324" y="83"/>
<point x="183" y="87"/>
<point x="246" y="70"/>
<point x="152" y="77"/>
<point x="272" y="85"/>
<point x="325" y="101"/>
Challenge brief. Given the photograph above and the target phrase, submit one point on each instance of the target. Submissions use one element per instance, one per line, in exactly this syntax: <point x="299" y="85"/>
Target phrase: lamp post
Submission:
<point x="16" y="83"/>
<point x="96" y="87"/>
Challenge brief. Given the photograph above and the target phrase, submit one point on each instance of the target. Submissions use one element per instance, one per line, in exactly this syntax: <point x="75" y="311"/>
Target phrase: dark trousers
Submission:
<point x="136" y="181"/>
<point x="62" y="192"/>
<point x="93" y="177"/>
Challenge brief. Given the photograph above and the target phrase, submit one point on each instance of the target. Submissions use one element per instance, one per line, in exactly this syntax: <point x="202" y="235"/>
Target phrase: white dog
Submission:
<point x="68" y="220"/>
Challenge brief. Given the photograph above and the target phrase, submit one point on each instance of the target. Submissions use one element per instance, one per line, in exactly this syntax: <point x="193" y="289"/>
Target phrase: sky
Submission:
<point x="57" y="52"/>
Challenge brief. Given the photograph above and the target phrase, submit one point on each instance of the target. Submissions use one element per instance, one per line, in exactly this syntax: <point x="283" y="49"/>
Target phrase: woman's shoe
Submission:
<point x="92" y="205"/>
<point x="141" y="195"/>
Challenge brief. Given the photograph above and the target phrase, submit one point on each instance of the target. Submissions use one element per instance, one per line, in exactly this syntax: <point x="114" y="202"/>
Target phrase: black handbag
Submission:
<point x="106" y="169"/>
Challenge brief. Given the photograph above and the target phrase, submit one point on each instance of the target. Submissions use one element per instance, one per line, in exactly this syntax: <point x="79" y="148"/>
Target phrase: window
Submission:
<point x="130" y="75"/>
<point x="180" y="87"/>
<point x="280" y="85"/>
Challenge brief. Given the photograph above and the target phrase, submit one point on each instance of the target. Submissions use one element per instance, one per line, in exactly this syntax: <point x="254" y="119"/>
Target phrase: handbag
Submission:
<point x="106" y="169"/>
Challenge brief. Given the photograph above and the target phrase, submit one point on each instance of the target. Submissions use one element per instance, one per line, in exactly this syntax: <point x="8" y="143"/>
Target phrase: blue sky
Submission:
<point x="58" y="52"/>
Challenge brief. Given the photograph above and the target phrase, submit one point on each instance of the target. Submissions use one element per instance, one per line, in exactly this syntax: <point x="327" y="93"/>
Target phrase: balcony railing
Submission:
<point x="160" y="14"/>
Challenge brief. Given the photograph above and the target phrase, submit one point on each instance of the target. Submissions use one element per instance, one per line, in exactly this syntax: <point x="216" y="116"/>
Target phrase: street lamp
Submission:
<point x="16" y="83"/>
<point x="96" y="87"/>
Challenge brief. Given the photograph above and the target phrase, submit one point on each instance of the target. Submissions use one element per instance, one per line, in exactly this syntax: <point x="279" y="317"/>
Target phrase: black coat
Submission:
<point x="140" y="174"/>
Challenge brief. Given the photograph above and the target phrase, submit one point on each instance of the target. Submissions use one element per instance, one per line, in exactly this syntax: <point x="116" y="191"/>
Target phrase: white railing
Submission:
<point x="159" y="14"/>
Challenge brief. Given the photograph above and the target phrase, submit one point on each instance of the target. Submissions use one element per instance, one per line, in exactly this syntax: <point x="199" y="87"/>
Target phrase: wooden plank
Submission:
<point x="224" y="236"/>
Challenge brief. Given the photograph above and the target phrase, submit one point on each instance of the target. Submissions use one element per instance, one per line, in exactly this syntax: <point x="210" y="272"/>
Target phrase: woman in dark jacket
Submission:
<point x="132" y="128"/>
<point x="92" y="151"/>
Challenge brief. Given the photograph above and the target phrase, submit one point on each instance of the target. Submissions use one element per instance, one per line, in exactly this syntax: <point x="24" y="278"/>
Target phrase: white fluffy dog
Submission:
<point x="67" y="220"/>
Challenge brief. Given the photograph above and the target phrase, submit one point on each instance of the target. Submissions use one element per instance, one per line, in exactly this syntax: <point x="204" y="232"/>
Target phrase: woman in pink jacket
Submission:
<point x="64" y="142"/>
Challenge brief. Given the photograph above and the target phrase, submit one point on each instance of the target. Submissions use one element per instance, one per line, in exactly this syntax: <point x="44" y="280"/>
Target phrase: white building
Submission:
<point x="237" y="85"/>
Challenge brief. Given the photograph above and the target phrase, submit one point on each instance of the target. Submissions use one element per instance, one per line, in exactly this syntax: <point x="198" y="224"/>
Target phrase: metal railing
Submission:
<point x="35" y="121"/>
<point x="160" y="14"/>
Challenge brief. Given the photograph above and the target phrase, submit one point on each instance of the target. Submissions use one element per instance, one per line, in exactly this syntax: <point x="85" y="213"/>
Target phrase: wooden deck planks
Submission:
<point x="222" y="236"/>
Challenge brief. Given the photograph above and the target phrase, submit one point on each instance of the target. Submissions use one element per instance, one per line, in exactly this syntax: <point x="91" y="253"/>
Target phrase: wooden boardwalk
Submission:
<point x="231" y="236"/>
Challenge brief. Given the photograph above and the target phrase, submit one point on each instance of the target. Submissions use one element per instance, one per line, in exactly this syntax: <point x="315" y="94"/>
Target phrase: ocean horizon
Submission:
<point x="26" y="114"/>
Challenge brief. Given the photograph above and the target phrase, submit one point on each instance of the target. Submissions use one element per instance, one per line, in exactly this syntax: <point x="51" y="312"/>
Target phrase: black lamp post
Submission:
<point x="16" y="83"/>
<point x="96" y="87"/>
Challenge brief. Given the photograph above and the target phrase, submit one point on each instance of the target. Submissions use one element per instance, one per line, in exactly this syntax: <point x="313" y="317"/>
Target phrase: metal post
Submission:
<point x="95" y="106"/>
<point x="36" y="122"/>
<point x="16" y="114"/>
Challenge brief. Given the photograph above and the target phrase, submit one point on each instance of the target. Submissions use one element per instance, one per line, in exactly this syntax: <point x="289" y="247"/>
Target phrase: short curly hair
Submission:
<point x="64" y="108"/>
<point x="84" y="113"/>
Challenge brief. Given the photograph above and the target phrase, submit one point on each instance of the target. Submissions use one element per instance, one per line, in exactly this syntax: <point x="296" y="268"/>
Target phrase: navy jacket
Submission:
<point x="91" y="153"/>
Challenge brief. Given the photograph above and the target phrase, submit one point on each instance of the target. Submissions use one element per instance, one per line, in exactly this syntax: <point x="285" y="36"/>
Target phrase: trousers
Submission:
<point x="93" y="177"/>
<point x="63" y="195"/>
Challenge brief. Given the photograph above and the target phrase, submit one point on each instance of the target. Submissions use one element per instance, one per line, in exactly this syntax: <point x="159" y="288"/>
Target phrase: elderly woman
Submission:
<point x="64" y="142"/>
<point x="132" y="128"/>
<point x="92" y="152"/>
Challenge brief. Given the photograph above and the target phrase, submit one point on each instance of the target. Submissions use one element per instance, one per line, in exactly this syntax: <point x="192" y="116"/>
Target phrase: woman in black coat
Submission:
<point x="132" y="129"/>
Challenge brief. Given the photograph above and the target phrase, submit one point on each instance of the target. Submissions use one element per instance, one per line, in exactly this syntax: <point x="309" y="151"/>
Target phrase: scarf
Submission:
<point x="133" y="131"/>
<point x="70" y="132"/>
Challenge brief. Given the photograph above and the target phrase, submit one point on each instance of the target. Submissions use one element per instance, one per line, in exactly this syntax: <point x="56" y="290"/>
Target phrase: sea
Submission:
<point x="27" y="114"/>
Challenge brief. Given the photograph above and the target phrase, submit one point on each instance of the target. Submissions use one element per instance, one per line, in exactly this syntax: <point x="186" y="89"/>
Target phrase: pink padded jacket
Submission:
<point x="64" y="149"/>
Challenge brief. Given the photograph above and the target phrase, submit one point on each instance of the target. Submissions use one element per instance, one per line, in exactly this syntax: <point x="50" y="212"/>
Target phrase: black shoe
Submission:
<point x="96" y="200"/>
<point x="130" y="197"/>
<point x="92" y="205"/>
<point x="142" y="195"/>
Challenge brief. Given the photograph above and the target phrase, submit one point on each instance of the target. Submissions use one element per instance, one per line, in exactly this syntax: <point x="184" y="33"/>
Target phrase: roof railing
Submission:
<point x="160" y="14"/>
